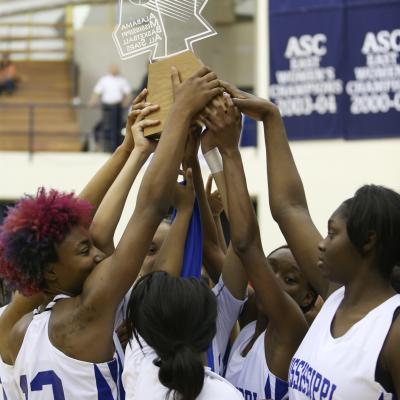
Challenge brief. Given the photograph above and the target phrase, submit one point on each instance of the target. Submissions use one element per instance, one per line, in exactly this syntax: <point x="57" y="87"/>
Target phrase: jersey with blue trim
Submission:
<point x="43" y="372"/>
<point x="342" y="368"/>
<point x="141" y="382"/>
<point x="8" y="386"/>
<point x="250" y="374"/>
<point x="120" y="314"/>
<point x="228" y="311"/>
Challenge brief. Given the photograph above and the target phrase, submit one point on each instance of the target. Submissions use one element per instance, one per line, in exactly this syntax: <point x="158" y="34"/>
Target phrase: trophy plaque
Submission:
<point x="166" y="29"/>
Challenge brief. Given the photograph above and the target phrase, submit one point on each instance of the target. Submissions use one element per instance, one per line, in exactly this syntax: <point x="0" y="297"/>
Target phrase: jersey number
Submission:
<point x="42" y="379"/>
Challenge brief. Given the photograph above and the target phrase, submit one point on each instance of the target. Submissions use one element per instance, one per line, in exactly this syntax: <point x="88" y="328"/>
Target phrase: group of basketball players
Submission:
<point x="89" y="320"/>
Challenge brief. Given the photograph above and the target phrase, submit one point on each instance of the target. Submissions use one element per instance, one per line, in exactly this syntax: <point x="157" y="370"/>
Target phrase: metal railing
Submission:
<point x="28" y="127"/>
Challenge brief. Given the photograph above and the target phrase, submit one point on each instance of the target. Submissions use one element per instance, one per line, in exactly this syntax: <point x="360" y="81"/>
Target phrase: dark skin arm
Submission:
<point x="207" y="144"/>
<point x="216" y="206"/>
<point x="210" y="238"/>
<point x="284" y="334"/>
<point x="98" y="186"/>
<point x="224" y="120"/>
<point x="170" y="256"/>
<point x="109" y="212"/>
<point x="286" y="192"/>
<point x="94" y="193"/>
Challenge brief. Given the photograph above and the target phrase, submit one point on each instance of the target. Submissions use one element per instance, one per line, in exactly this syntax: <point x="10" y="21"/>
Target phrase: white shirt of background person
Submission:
<point x="111" y="88"/>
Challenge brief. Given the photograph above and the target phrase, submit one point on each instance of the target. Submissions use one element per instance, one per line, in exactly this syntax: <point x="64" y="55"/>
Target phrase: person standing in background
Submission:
<point x="8" y="75"/>
<point x="113" y="92"/>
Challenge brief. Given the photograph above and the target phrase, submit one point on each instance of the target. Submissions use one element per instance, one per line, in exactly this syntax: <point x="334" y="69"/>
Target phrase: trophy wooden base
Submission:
<point x="159" y="85"/>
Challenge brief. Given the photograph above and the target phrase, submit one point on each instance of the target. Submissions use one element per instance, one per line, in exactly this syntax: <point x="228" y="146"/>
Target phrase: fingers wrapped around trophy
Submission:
<point x="163" y="83"/>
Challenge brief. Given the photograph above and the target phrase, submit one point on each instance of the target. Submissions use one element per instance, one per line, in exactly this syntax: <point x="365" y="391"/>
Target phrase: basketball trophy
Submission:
<point x="166" y="29"/>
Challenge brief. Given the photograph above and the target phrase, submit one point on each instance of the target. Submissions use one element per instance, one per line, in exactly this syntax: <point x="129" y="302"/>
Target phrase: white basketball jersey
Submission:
<point x="342" y="368"/>
<point x="228" y="311"/>
<point x="8" y="388"/>
<point x="141" y="381"/>
<point x="43" y="372"/>
<point x="251" y="374"/>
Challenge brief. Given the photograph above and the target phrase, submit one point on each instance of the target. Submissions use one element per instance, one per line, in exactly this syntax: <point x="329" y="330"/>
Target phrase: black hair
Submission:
<point x="177" y="318"/>
<point x="283" y="247"/>
<point x="375" y="209"/>
<point x="314" y="293"/>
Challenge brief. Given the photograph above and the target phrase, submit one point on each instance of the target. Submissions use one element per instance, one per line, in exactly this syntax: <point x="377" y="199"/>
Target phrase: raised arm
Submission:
<point x="213" y="264"/>
<point x="170" y="256"/>
<point x="97" y="187"/>
<point x="106" y="286"/>
<point x="226" y="121"/>
<point x="286" y="192"/>
<point x="285" y="333"/>
<point x="214" y="161"/>
<point x="109" y="213"/>
<point x="216" y="207"/>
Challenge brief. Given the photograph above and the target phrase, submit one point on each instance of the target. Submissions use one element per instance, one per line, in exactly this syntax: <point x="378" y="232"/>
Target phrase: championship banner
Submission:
<point x="335" y="67"/>
<point x="373" y="69"/>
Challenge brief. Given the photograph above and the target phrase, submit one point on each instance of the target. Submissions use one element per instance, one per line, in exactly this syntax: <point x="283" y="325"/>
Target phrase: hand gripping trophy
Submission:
<point x="166" y="29"/>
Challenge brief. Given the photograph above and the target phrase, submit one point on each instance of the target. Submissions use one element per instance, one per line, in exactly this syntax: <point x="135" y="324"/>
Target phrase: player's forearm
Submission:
<point x="157" y="186"/>
<point x="221" y="186"/>
<point x="220" y="233"/>
<point x="109" y="213"/>
<point x="98" y="186"/>
<point x="284" y="182"/>
<point x="170" y="257"/>
<point x="242" y="217"/>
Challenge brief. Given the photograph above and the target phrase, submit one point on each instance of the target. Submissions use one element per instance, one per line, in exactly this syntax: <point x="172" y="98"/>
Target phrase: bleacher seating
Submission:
<point x="47" y="86"/>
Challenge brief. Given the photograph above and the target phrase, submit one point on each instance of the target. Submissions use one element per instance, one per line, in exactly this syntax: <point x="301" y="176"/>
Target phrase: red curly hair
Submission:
<point x="30" y="233"/>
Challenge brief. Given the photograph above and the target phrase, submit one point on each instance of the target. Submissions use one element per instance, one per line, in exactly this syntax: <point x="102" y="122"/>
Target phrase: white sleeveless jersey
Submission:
<point x="342" y="368"/>
<point x="43" y="372"/>
<point x="8" y="388"/>
<point x="251" y="374"/>
<point x="120" y="315"/>
<point x="228" y="311"/>
<point x="140" y="378"/>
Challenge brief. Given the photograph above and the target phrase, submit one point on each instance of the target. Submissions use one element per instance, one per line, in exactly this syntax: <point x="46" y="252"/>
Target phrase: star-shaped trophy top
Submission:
<point x="160" y="27"/>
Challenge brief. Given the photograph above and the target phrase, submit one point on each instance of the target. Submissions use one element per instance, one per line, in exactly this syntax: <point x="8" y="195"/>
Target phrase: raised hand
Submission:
<point x="225" y="124"/>
<point x="138" y="104"/>
<point x="185" y="194"/>
<point x="142" y="144"/>
<point x="207" y="138"/>
<point x="253" y="106"/>
<point x="192" y="147"/>
<point x="196" y="91"/>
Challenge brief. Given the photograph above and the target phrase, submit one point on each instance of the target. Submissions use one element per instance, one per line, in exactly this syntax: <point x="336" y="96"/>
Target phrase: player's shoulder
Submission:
<point x="216" y="387"/>
<point x="391" y="346"/>
<point x="17" y="335"/>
